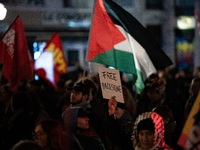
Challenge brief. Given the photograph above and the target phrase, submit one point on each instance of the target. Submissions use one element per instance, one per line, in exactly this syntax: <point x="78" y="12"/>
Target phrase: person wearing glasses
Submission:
<point x="48" y="135"/>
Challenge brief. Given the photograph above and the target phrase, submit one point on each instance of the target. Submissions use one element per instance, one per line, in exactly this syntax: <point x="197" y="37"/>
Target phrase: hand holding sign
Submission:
<point x="112" y="104"/>
<point x="111" y="83"/>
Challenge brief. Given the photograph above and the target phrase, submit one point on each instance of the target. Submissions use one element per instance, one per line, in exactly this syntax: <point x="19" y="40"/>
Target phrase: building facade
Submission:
<point x="72" y="19"/>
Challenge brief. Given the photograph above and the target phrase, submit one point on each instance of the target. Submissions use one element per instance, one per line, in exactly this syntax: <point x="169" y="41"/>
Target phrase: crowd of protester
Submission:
<point x="75" y="116"/>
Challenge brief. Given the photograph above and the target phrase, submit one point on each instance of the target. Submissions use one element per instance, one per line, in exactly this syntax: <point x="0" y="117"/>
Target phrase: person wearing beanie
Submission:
<point x="119" y="126"/>
<point x="79" y="135"/>
<point x="98" y="111"/>
<point x="146" y="124"/>
<point x="148" y="132"/>
<point x="79" y="95"/>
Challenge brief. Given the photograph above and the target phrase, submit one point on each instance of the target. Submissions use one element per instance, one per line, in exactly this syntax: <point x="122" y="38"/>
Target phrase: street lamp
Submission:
<point x="3" y="11"/>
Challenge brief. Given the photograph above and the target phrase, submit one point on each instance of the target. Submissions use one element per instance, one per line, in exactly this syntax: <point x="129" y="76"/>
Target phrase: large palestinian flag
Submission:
<point x="117" y="39"/>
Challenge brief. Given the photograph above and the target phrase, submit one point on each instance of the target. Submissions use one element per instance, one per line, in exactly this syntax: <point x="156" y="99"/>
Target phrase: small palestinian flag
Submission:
<point x="117" y="39"/>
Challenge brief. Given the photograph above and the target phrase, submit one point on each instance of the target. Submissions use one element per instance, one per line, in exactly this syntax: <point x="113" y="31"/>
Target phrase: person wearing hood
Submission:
<point x="166" y="113"/>
<point x="82" y="95"/>
<point x="119" y="125"/>
<point x="78" y="133"/>
<point x="148" y="132"/>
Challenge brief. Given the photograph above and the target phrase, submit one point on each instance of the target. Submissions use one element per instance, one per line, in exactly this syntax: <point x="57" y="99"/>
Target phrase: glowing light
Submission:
<point x="36" y="55"/>
<point x="3" y="11"/>
<point x="186" y="22"/>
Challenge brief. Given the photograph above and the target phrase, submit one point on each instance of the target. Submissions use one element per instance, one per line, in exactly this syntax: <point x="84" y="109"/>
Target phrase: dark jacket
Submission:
<point x="87" y="139"/>
<point x="20" y="127"/>
<point x="119" y="131"/>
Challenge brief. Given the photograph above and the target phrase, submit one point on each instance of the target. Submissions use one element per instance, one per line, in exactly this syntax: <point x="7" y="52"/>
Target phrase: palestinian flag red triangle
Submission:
<point x="104" y="33"/>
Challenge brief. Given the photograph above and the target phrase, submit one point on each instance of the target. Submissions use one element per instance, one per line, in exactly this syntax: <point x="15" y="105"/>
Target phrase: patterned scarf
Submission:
<point x="159" y="143"/>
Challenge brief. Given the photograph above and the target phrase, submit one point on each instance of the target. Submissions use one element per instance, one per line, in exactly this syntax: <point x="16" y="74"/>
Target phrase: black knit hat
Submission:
<point x="146" y="124"/>
<point x="82" y="113"/>
<point x="80" y="87"/>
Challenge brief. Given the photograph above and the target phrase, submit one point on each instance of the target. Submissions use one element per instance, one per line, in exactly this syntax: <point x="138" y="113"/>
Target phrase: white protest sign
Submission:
<point x="110" y="83"/>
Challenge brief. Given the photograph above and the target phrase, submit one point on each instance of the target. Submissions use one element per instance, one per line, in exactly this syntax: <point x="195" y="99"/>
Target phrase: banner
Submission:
<point x="51" y="63"/>
<point x="14" y="55"/>
<point x="110" y="83"/>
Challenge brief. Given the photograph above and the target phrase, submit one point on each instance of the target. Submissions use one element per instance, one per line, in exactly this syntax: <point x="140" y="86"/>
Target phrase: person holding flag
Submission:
<point x="124" y="43"/>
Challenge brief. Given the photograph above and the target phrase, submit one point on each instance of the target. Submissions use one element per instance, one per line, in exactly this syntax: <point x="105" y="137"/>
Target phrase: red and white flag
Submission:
<point x="14" y="55"/>
<point x="51" y="63"/>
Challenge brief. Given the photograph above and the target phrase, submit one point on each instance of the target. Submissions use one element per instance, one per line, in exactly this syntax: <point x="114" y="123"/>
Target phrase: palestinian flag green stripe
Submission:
<point x="139" y="83"/>
<point x="121" y="60"/>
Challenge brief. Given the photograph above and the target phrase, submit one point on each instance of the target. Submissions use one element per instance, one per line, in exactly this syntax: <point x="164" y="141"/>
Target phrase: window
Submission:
<point x="154" y="4"/>
<point x="73" y="56"/>
<point x="126" y="3"/>
<point x="185" y="3"/>
<point x="76" y="3"/>
<point x="184" y="8"/>
<point x="24" y="2"/>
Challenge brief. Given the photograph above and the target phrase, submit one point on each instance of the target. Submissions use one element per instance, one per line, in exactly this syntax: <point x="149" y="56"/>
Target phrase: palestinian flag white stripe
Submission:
<point x="144" y="66"/>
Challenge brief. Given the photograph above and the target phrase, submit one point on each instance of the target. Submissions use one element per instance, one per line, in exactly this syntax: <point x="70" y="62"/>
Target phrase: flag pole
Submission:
<point x="86" y="56"/>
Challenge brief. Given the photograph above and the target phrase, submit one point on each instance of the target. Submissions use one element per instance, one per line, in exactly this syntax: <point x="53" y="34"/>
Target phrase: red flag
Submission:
<point x="14" y="55"/>
<point x="51" y="63"/>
